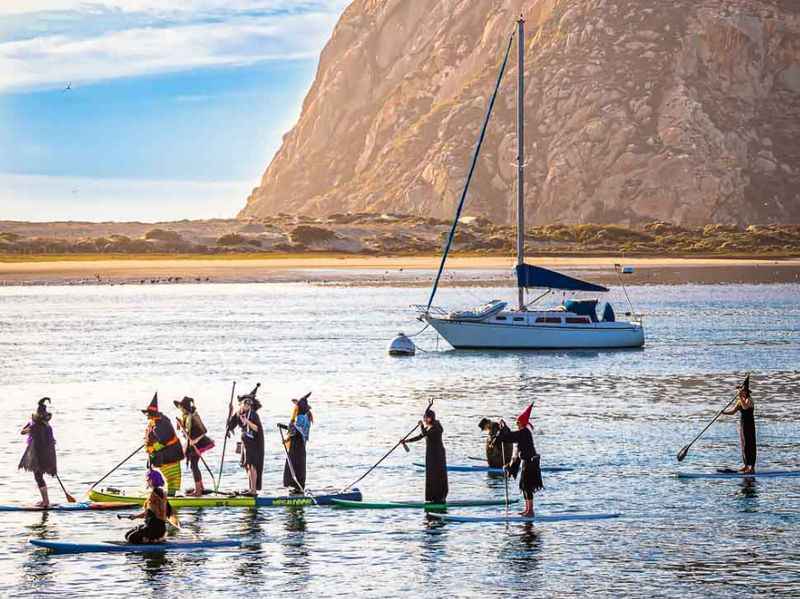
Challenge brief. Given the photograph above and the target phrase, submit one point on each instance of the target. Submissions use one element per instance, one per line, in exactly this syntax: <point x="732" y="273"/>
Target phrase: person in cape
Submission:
<point x="251" y="448"/>
<point x="436" y="485"/>
<point x="298" y="429"/>
<point x="156" y="513"/>
<point x="164" y="450"/>
<point x="497" y="454"/>
<point x="747" y="425"/>
<point x="526" y="461"/>
<point x="197" y="440"/>
<point x="40" y="453"/>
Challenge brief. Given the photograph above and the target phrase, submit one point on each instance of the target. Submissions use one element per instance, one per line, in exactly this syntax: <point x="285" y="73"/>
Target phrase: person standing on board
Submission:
<point x="197" y="441"/>
<point x="436" y="486"/>
<point x="156" y="512"/>
<point x="526" y="461"/>
<point x="497" y="454"/>
<point x="747" y="425"/>
<point x="164" y="450"/>
<point x="251" y="447"/>
<point x="298" y="430"/>
<point x="40" y="453"/>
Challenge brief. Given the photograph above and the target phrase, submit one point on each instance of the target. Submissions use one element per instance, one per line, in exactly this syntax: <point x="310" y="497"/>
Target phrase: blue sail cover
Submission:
<point x="536" y="276"/>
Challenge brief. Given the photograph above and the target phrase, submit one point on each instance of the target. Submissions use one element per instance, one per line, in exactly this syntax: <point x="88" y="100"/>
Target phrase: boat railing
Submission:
<point x="424" y="309"/>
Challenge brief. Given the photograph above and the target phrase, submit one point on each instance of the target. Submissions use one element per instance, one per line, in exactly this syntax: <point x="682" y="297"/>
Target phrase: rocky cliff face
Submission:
<point x="637" y="110"/>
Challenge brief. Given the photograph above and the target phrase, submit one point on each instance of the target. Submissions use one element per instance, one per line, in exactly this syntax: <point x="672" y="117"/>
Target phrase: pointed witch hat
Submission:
<point x="152" y="409"/>
<point x="745" y="384"/>
<point x="524" y="419"/>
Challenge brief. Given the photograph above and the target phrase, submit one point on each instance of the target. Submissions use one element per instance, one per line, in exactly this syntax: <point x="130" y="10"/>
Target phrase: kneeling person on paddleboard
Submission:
<point x="436" y="485"/>
<point x="526" y="461"/>
<point x="156" y="514"/>
<point x="40" y="453"/>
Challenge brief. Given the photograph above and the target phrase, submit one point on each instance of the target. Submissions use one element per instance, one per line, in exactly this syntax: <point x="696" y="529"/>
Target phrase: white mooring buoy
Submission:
<point x="402" y="346"/>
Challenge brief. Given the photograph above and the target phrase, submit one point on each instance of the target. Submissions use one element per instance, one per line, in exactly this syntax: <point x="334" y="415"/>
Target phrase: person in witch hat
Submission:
<point x="156" y="512"/>
<point x="747" y="425"/>
<point x="497" y="454"/>
<point x="299" y="428"/>
<point x="526" y="461"/>
<point x="436" y="484"/>
<point x="40" y="453"/>
<point x="164" y="450"/>
<point x="197" y="440"/>
<point x="252" y="443"/>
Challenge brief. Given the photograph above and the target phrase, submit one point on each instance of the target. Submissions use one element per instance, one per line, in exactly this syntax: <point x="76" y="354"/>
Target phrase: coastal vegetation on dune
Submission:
<point x="384" y="234"/>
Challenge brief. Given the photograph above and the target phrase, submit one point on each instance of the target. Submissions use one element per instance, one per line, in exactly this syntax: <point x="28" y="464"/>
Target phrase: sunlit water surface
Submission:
<point x="617" y="417"/>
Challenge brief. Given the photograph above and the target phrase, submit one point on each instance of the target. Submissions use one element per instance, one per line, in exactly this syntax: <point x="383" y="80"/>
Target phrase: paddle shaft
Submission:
<point x="202" y="459"/>
<point x="387" y="454"/>
<point x="505" y="472"/>
<point x="225" y="442"/>
<point x="682" y="453"/>
<point x="70" y="498"/>
<point x="114" y="469"/>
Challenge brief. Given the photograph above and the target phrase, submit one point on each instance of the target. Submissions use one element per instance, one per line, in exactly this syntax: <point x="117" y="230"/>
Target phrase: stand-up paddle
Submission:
<point x="225" y="442"/>
<point x="386" y="455"/>
<point x="202" y="459"/>
<point x="114" y="469"/>
<point x="291" y="469"/>
<point x="505" y="473"/>
<point x="70" y="498"/>
<point x="685" y="449"/>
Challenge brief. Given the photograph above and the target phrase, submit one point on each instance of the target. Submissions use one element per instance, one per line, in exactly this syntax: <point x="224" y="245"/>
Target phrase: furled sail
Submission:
<point x="536" y="276"/>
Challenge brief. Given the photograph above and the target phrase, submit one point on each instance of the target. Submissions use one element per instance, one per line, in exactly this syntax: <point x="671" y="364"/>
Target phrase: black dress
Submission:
<point x="495" y="452"/>
<point x="436" y="487"/>
<point x="747" y="435"/>
<point x="152" y="531"/>
<point x="40" y="454"/>
<point x="297" y="454"/>
<point x="530" y="478"/>
<point x="252" y="443"/>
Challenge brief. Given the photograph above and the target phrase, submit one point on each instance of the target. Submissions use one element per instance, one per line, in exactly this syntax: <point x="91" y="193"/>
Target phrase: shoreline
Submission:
<point x="347" y="269"/>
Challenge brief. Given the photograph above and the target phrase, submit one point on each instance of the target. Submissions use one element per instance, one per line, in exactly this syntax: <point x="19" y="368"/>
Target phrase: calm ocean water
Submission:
<point x="617" y="417"/>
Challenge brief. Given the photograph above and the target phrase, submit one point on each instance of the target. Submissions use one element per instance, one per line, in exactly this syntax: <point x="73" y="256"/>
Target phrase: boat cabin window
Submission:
<point x="577" y="320"/>
<point x="519" y="318"/>
<point x="548" y="320"/>
<point x="500" y="318"/>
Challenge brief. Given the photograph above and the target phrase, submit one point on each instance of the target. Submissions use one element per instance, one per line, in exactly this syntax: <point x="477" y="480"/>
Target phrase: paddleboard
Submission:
<point x="303" y="500"/>
<point x="180" y="501"/>
<point x="490" y="470"/>
<point x="392" y="505"/>
<point x="564" y="517"/>
<point x="114" y="547"/>
<point x="70" y="507"/>
<point x="735" y="474"/>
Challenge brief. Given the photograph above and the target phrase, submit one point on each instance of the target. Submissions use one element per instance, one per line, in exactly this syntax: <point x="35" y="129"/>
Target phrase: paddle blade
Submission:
<point x="682" y="453"/>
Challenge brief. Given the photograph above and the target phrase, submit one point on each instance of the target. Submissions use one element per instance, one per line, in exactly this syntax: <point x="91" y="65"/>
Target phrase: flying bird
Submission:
<point x="68" y="88"/>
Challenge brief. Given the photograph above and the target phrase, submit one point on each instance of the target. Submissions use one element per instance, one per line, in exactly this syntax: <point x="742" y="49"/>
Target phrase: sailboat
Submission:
<point x="574" y="324"/>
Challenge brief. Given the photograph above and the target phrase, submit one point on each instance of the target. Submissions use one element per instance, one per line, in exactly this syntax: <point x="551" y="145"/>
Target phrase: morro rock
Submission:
<point x="637" y="110"/>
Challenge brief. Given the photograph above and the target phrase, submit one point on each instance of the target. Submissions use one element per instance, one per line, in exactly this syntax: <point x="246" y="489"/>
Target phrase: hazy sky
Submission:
<point x="176" y="106"/>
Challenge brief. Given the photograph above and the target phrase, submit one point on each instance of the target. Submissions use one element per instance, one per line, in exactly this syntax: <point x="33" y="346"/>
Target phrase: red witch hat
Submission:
<point x="152" y="409"/>
<point x="524" y="419"/>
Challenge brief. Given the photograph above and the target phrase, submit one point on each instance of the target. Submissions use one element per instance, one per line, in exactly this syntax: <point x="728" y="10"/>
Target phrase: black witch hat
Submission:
<point x="42" y="415"/>
<point x="745" y="385"/>
<point x="152" y="409"/>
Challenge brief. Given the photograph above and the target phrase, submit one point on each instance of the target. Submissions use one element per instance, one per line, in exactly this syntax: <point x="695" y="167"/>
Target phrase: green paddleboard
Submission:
<point x="399" y="505"/>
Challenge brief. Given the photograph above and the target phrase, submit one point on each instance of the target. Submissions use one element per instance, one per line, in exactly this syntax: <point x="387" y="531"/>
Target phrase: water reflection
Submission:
<point x="748" y="489"/>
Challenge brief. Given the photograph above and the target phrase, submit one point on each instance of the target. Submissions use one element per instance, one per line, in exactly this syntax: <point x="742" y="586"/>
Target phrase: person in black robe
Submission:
<point x="164" y="449"/>
<point x="299" y="429"/>
<point x="497" y="454"/>
<point x="747" y="426"/>
<point x="40" y="453"/>
<point x="252" y="442"/>
<point x="436" y="486"/>
<point x="526" y="462"/>
<point x="197" y="440"/>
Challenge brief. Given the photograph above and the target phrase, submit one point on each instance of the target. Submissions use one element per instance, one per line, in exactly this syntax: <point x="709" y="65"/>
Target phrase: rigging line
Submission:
<point x="475" y="155"/>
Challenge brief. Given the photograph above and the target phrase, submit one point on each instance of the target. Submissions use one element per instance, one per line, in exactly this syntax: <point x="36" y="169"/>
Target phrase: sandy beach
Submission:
<point x="403" y="270"/>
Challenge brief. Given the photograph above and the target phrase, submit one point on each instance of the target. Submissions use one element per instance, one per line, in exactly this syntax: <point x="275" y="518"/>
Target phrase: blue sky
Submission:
<point x="176" y="106"/>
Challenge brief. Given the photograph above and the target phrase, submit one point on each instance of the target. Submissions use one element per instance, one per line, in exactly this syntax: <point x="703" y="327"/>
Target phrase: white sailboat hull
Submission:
<point x="490" y="335"/>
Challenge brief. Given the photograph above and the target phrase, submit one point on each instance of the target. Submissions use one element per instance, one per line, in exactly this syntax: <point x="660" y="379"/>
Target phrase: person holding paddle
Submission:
<point x="156" y="513"/>
<point x="164" y="450"/>
<point x="436" y="484"/>
<point x="747" y="425"/>
<point x="40" y="453"/>
<point x="299" y="428"/>
<point x="496" y="453"/>
<point x="251" y="446"/>
<point x="197" y="441"/>
<point x="526" y="462"/>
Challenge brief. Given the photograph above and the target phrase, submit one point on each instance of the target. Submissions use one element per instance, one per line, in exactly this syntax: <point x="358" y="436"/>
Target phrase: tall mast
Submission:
<point x="521" y="151"/>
